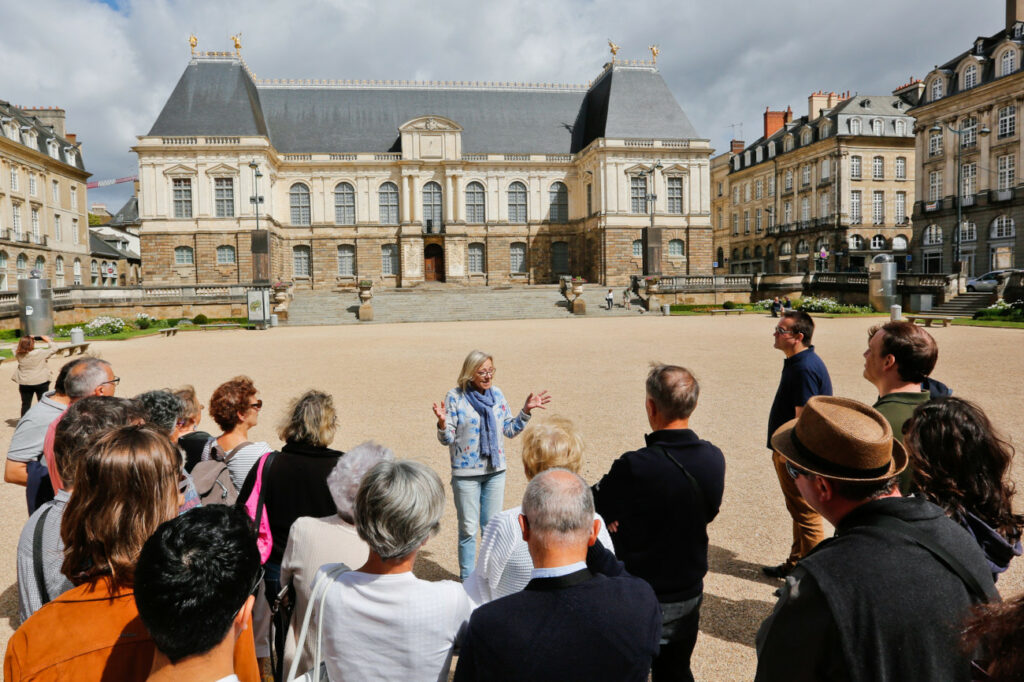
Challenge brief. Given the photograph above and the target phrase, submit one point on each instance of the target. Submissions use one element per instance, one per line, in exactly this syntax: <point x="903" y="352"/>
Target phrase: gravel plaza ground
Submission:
<point x="384" y="378"/>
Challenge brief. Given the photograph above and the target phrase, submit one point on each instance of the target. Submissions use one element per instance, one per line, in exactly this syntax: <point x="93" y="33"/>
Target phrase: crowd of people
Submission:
<point x="156" y="551"/>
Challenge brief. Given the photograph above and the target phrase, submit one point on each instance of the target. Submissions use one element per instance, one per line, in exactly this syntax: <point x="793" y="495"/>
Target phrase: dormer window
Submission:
<point x="969" y="78"/>
<point x="826" y="128"/>
<point x="54" y="149"/>
<point x="855" y="126"/>
<point x="70" y="155"/>
<point x="1008" y="62"/>
<point x="936" y="89"/>
<point x="805" y="137"/>
<point x="979" y="46"/>
<point x="876" y="127"/>
<point x="788" y="144"/>
<point x="771" y="150"/>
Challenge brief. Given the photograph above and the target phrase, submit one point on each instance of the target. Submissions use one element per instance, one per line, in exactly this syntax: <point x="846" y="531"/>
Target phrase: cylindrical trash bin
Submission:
<point x="77" y="335"/>
<point x="665" y="310"/>
<point x="896" y="313"/>
<point x="35" y="305"/>
<point x="273" y="319"/>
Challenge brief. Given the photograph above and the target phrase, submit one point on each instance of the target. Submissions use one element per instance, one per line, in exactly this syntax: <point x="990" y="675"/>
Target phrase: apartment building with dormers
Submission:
<point x="826" y="191"/>
<point x="43" y="210"/>
<point x="968" y="148"/>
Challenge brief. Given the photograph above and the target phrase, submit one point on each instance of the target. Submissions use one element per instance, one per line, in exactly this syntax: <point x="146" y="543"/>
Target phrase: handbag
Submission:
<point x="318" y="673"/>
<point x="255" y="506"/>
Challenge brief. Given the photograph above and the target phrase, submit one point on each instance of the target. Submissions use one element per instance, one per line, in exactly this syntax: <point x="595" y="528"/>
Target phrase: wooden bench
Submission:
<point x="170" y="331"/>
<point x="928" y="319"/>
<point x="726" y="311"/>
<point x="220" y="325"/>
<point x="70" y="349"/>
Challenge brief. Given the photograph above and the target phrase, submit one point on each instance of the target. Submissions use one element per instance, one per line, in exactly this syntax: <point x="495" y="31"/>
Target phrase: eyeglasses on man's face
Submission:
<point x="783" y="330"/>
<point x="115" y="381"/>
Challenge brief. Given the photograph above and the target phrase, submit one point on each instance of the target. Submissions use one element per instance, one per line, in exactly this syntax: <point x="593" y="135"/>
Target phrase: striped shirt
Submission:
<point x="30" y="598"/>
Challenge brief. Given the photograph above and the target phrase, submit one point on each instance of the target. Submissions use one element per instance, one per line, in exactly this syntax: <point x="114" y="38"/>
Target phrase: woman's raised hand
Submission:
<point x="536" y="400"/>
<point x="441" y="415"/>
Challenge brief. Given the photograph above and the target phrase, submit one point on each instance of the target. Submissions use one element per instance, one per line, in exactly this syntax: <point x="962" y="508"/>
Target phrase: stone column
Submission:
<point x="406" y="204"/>
<point x="449" y="212"/>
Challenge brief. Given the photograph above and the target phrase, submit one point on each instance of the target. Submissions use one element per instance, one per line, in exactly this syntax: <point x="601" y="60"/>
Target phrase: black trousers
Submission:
<point x="680" y="623"/>
<point x="27" y="391"/>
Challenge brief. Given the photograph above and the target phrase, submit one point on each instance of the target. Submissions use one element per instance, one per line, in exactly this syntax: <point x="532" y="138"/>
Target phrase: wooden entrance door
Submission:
<point x="433" y="263"/>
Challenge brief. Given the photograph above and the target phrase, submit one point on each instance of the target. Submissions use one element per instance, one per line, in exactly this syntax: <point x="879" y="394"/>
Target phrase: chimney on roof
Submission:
<point x="49" y="117"/>
<point x="815" y="103"/>
<point x="789" y="114"/>
<point x="71" y="137"/>
<point x="773" y="121"/>
<point x="1014" y="12"/>
<point x="736" y="146"/>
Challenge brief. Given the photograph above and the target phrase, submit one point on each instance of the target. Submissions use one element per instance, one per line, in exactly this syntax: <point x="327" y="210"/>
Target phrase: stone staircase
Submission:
<point x="446" y="303"/>
<point x="964" y="305"/>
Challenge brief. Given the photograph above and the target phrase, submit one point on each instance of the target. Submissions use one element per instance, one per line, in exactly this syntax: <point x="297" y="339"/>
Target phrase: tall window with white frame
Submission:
<point x="855" y="126"/>
<point x="558" y="200"/>
<point x="970" y="77"/>
<point x="675" y="194"/>
<point x="1008" y="62"/>
<point x="182" y="197"/>
<point x="35" y="225"/>
<point x="1006" y="171"/>
<point x="968" y="181"/>
<point x="901" y="208"/>
<point x="476" y="258"/>
<point x="224" y="197"/>
<point x="300" y="261"/>
<point x="75" y="236"/>
<point x="76" y="272"/>
<point x="805" y="175"/>
<point x="787" y="212"/>
<point x="823" y="206"/>
<point x="298" y="203"/>
<point x="805" y="211"/>
<point x="876" y="127"/>
<point x="74" y="198"/>
<point x="901" y="168"/>
<point x="935" y="143"/>
<point x="517" y="202"/>
<point x="901" y="128"/>
<point x="824" y="169"/>
<point x="878" y="207"/>
<point x="58" y="234"/>
<point x="1007" y="121"/>
<point x="757" y="221"/>
<point x="344" y="204"/>
<point x="387" y="203"/>
<point x="855" y="208"/>
<point x="969" y="132"/>
<point x="14" y="179"/>
<point x="346" y="260"/>
<point x="934" y="185"/>
<point x="475" y="203"/>
<point x="638" y="194"/>
<point x="32" y="184"/>
<point x="637" y="248"/>
<point x="225" y="254"/>
<point x="433" y="213"/>
<point x="788" y="182"/>
<point x="16" y="219"/>
<point x="758" y="190"/>
<point x="517" y="258"/>
<point x="389" y="260"/>
<point x="55" y="191"/>
<point x="878" y="168"/>
<point x="735" y="224"/>
<point x="855" y="167"/>
<point x="746" y="222"/>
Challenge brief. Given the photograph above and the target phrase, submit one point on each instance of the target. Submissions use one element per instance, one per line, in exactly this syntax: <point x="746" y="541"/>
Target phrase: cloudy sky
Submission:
<point x="112" y="64"/>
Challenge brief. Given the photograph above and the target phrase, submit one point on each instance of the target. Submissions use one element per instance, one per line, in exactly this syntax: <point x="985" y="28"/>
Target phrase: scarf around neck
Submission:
<point x="484" y="403"/>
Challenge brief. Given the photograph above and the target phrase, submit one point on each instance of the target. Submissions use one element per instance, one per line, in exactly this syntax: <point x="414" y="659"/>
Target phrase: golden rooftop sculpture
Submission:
<point x="613" y="47"/>
<point x="655" y="51"/>
<point x="237" y="40"/>
<point x="193" y="41"/>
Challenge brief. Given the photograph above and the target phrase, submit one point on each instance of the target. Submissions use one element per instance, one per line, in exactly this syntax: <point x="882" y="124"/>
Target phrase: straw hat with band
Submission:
<point x="841" y="439"/>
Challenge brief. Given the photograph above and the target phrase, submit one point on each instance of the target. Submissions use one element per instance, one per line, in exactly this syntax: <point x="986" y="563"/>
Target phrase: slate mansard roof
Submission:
<point x="43" y="134"/>
<point x="218" y="97"/>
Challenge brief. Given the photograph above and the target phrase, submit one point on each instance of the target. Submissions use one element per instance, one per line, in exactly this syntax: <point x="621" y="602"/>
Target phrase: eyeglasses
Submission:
<point x="795" y="471"/>
<point x="254" y="589"/>
<point x="115" y="381"/>
<point x="257" y="405"/>
<point x="486" y="372"/>
<point x="780" y="330"/>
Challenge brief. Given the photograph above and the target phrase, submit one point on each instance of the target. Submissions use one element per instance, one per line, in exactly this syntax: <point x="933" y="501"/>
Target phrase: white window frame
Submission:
<point x="300" y="203"/>
<point x="1008" y="62"/>
<point x="877" y="127"/>
<point x="935" y="185"/>
<point x="969" y="132"/>
<point x="637" y="248"/>
<point x="302" y="261"/>
<point x="856" y="216"/>
<point x="878" y="207"/>
<point x="558" y="203"/>
<point x="344" y="203"/>
<point x="1006" y="171"/>
<point x="58" y="233"/>
<point x="901" y="208"/>
<point x="181" y="197"/>
<point x="183" y="255"/>
<point x="517" y="258"/>
<point x="674" y="189"/>
<point x="224" y="197"/>
<point x="389" y="260"/>
<point x="901" y="168"/>
<point x="878" y="168"/>
<point x="518" y="202"/>
<point x="476" y="258"/>
<point x="346" y="260"/>
<point x="476" y="203"/>
<point x="226" y="255"/>
<point x="969" y="78"/>
<point x="1003" y="227"/>
<point x="856" y="167"/>
<point x="935" y="143"/>
<point x="387" y="203"/>
<point x="1007" y="126"/>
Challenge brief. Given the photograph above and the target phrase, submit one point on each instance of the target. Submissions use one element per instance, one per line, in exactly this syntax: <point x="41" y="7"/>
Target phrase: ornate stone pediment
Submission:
<point x="180" y="169"/>
<point x="222" y="169"/>
<point x="431" y="138"/>
<point x="430" y="124"/>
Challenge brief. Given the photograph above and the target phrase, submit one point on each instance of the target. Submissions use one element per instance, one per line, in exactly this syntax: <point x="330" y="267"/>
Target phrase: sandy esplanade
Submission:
<point x="384" y="378"/>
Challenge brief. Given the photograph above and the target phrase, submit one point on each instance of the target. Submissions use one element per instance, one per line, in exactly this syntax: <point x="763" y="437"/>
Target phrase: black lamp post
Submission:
<point x="652" y="235"/>
<point x="983" y="131"/>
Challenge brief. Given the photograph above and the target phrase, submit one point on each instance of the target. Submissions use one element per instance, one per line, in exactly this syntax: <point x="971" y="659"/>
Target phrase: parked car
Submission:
<point x="986" y="282"/>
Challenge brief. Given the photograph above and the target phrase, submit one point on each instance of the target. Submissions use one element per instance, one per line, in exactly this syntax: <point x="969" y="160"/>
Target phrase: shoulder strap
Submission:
<point x="37" y="557"/>
<point x="234" y="450"/>
<point x="697" y="491"/>
<point x="261" y="501"/>
<point x="974" y="587"/>
<point x="319" y="592"/>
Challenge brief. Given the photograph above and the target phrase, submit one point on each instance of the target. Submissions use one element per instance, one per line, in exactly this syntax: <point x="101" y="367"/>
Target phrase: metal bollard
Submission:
<point x="895" y="313"/>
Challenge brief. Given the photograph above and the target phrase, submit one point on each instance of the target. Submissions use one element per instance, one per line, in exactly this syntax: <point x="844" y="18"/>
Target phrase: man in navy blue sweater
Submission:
<point x="658" y="502"/>
<point x="568" y="623"/>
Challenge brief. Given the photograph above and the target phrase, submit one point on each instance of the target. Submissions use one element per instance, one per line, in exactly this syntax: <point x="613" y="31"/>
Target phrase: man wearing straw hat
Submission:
<point x="884" y="598"/>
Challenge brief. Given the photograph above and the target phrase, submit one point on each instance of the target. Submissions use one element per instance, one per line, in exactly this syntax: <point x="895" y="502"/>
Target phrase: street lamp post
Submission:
<point x="652" y="236"/>
<point x="983" y="131"/>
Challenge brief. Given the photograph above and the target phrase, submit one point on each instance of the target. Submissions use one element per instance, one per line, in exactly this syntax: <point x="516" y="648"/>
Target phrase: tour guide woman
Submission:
<point x="471" y="422"/>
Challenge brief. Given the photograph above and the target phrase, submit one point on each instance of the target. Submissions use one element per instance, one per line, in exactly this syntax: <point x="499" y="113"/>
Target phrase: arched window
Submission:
<point x="344" y="204"/>
<point x="735" y="254"/>
<point x="433" y="214"/>
<point x="758" y="253"/>
<point x="517" y="258"/>
<point x="805" y="137"/>
<point x="801" y="246"/>
<point x="821" y="243"/>
<point x="300" y="260"/>
<point x="346" y="260"/>
<point x="877" y="242"/>
<point x="76" y="270"/>
<point x="876" y="126"/>
<point x="746" y="253"/>
<point x="560" y="258"/>
<point x="40" y="265"/>
<point x="969" y="232"/>
<point x="899" y="243"/>
<point x="824" y="131"/>
<point x="389" y="259"/>
<point x="785" y="249"/>
<point x="298" y="199"/>
<point x="58" y="266"/>
<point x="517" y="202"/>
<point x="387" y="201"/>
<point x="877" y="168"/>
<point x="901" y="127"/>
<point x="936" y="93"/>
<point x="476" y="258"/>
<point x="183" y="255"/>
<point x="1008" y="62"/>
<point x="969" y="78"/>
<point x="855" y="242"/>
<point x="1002" y="228"/>
<point x="22" y="264"/>
<point x="769" y="252"/>
<point x="787" y="144"/>
<point x="225" y="255"/>
<point x="676" y="247"/>
<point x="558" y="197"/>
<point x="638" y="248"/>
<point x="94" y="271"/>
<point x="475" y="203"/>
<point x="932" y="235"/>
<point x="720" y="256"/>
<point x="855" y="126"/>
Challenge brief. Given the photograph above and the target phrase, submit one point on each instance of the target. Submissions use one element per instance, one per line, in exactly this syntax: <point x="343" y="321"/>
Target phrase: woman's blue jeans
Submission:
<point x="477" y="499"/>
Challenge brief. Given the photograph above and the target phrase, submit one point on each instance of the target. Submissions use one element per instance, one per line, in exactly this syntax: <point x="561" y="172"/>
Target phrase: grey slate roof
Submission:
<point x="101" y="249"/>
<point x="219" y="98"/>
<point x="43" y="134"/>
<point x="127" y="214"/>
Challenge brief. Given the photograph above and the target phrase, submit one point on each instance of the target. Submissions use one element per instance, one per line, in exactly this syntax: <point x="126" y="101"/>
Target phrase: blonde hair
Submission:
<point x="311" y="419"/>
<point x="470" y="366"/>
<point x="553" y="443"/>
<point x="193" y="407"/>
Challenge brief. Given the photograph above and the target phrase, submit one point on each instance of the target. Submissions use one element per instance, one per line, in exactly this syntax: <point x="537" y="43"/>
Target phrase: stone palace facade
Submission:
<point x="402" y="182"/>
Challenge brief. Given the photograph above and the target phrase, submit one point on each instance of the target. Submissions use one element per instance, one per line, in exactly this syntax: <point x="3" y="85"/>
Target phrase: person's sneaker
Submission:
<point x="780" y="571"/>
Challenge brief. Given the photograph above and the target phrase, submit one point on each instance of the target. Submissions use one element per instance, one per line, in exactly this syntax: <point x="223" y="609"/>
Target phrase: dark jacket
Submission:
<point x="870" y="605"/>
<point x="662" y="535"/>
<point x="579" y="626"/>
<point x="804" y="376"/>
<point x="294" y="486"/>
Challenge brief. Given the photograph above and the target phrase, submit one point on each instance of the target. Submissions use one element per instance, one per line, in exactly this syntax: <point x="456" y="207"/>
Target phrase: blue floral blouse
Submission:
<point x="462" y="433"/>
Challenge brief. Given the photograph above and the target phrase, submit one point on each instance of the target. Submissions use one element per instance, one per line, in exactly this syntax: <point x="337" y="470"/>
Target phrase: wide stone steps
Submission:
<point x="964" y="305"/>
<point x="448" y="303"/>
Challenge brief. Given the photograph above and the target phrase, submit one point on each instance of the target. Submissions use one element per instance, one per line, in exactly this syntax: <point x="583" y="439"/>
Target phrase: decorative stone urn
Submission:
<point x="365" y="291"/>
<point x="577" y="305"/>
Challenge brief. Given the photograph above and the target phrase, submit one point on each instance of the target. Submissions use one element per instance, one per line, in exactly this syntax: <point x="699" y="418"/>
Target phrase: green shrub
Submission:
<point x="200" y="319"/>
<point x="143" y="323"/>
<point x="1001" y="310"/>
<point x="728" y="305"/>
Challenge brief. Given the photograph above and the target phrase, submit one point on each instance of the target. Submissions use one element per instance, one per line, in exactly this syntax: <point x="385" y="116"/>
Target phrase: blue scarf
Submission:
<point x="484" y="403"/>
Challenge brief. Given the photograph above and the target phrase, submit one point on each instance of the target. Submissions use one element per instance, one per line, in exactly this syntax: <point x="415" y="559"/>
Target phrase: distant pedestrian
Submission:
<point x="626" y="302"/>
<point x="776" y="307"/>
<point x="787" y="304"/>
<point x="32" y="375"/>
<point x="609" y="298"/>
